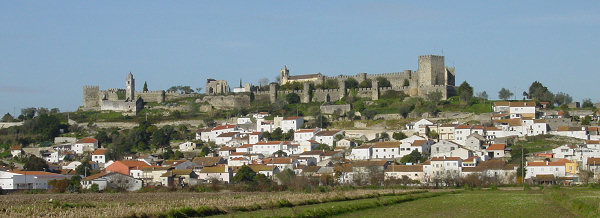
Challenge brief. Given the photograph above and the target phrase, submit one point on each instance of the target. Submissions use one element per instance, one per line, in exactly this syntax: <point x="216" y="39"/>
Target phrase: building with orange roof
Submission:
<point x="386" y="150"/>
<point x="288" y="123"/>
<point x="221" y="173"/>
<point x="399" y="172"/>
<point x="496" y="150"/>
<point x="85" y="145"/>
<point x="305" y="134"/>
<point x="125" y="166"/>
<point x="99" y="156"/>
<point x="363" y="152"/>
<point x="522" y="110"/>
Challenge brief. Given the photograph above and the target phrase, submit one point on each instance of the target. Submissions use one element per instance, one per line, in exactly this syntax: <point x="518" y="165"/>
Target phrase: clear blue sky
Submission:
<point x="49" y="50"/>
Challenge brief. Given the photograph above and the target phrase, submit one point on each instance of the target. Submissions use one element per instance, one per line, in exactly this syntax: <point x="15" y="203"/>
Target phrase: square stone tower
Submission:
<point x="130" y="88"/>
<point x="431" y="70"/>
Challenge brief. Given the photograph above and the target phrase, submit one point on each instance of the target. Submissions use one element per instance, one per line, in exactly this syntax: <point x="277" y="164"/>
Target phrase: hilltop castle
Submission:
<point x="122" y="100"/>
<point x="432" y="75"/>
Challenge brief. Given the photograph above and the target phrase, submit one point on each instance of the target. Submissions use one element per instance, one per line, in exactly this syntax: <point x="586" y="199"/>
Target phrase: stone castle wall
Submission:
<point x="91" y="96"/>
<point x="221" y="102"/>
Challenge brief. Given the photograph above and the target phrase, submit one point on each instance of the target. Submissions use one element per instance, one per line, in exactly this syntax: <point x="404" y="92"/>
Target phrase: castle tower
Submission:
<point x="273" y="92"/>
<point x="375" y="90"/>
<point x="431" y="70"/>
<point x="305" y="93"/>
<point x="91" y="96"/>
<point x="283" y="75"/>
<point x="130" y="88"/>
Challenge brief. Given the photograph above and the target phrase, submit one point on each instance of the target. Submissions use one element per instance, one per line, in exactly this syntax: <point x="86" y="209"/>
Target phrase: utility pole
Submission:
<point x="522" y="167"/>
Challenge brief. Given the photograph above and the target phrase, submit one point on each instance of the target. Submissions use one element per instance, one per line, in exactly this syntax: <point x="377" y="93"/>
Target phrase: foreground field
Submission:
<point x="473" y="204"/>
<point x="138" y="204"/>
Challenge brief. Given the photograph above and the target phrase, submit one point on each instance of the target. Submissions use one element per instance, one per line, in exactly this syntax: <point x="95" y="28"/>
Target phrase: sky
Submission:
<point x="50" y="49"/>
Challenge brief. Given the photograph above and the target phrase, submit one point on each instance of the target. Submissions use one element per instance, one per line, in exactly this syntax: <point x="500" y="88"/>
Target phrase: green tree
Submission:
<point x="286" y="177"/>
<point x="505" y="94"/>
<point x="102" y="138"/>
<point x="406" y="83"/>
<point x="365" y="84"/>
<point x="433" y="134"/>
<point x="329" y="84"/>
<point x="413" y="157"/>
<point x="562" y="98"/>
<point x="539" y="92"/>
<point x="465" y="92"/>
<point x="84" y="168"/>
<point x="404" y="110"/>
<point x="145" y="89"/>
<point x="8" y="118"/>
<point x="483" y="95"/>
<point x="399" y="136"/>
<point x="292" y="98"/>
<point x="383" y="82"/>
<point x="587" y="103"/>
<point x="435" y="96"/>
<point x="351" y="83"/>
<point x="33" y="163"/>
<point x="369" y="114"/>
<point x="245" y="174"/>
<point x="586" y="121"/>
<point x="29" y="112"/>
<point x="95" y="188"/>
<point x="323" y="147"/>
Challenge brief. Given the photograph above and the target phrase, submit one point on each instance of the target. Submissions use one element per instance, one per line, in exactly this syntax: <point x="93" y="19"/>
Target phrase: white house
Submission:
<point x="203" y="134"/>
<point x="16" y="151"/>
<point x="422" y="146"/>
<point x="221" y="173"/>
<point x="362" y="152"/>
<point x="99" y="156"/>
<point x="85" y="145"/>
<point x="267" y="148"/>
<point x="386" y="150"/>
<point x="446" y="131"/>
<point x="71" y="165"/>
<point x="496" y="150"/>
<point x="305" y="134"/>
<point x="327" y="137"/>
<point x="345" y="143"/>
<point x="442" y="167"/>
<point x="221" y="129"/>
<point x="187" y="146"/>
<point x="412" y="172"/>
<point x="461" y="132"/>
<point x="254" y="137"/>
<point x="265" y="125"/>
<point x="244" y="120"/>
<point x="443" y="146"/>
<point x="291" y="123"/>
<point x="223" y="138"/>
<point x="522" y="109"/>
<point x="575" y="132"/>
<point x="556" y="169"/>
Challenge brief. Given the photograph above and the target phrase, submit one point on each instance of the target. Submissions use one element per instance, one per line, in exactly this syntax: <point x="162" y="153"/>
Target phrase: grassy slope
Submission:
<point x="472" y="204"/>
<point x="546" y="142"/>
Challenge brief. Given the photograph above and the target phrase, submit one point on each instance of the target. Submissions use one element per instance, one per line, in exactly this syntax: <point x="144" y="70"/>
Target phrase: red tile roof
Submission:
<point x="134" y="163"/>
<point x="593" y="161"/>
<point x="387" y="145"/>
<point x="523" y="104"/>
<point x="99" y="152"/>
<point x="328" y="133"/>
<point x="592" y="142"/>
<point x="246" y="146"/>
<point x="228" y="134"/>
<point x="445" y="158"/>
<point x="269" y="143"/>
<point x="544" y="163"/>
<point x="499" y="147"/>
<point x="224" y="127"/>
<point x="419" y="142"/>
<point x="404" y="168"/>
<point x="87" y="140"/>
<point x="292" y="118"/>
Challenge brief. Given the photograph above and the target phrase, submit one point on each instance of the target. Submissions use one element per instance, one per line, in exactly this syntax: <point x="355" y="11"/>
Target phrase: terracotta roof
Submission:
<point x="16" y="147"/>
<point x="404" y="168"/>
<point x="292" y="118"/>
<point x="387" y="145"/>
<point x="328" y="133"/>
<point x="501" y="103"/>
<point x="226" y="148"/>
<point x="246" y="146"/>
<point x="311" y="169"/>
<point x="492" y="129"/>
<point x="176" y="173"/>
<point x="133" y="163"/>
<point x="569" y="128"/>
<point x="280" y="160"/>
<point x="523" y="104"/>
<point x="313" y="152"/>
<point x="331" y="153"/>
<point x="560" y="113"/>
<point x="445" y="158"/>
<point x="544" y="163"/>
<point x="99" y="152"/>
<point x="207" y="161"/>
<point x="345" y="168"/>
<point x="544" y="177"/>
<point x="500" y="147"/>
<point x="206" y="129"/>
<point x="35" y="173"/>
<point x="224" y="127"/>
<point x="470" y="159"/>
<point x="464" y="127"/>
<point x="367" y="163"/>
<point x="228" y="134"/>
<point x="593" y="161"/>
<point x="419" y="143"/>
<point x="269" y="143"/>
<point x="592" y="142"/>
<point x="256" y="133"/>
<point x="477" y="127"/>
<point x="563" y="160"/>
<point x="539" y="121"/>
<point x="237" y="153"/>
<point x="510" y="122"/>
<point x="87" y="140"/>
<point x="593" y="128"/>
<point x="215" y="169"/>
<point x="155" y="168"/>
<point x="96" y="176"/>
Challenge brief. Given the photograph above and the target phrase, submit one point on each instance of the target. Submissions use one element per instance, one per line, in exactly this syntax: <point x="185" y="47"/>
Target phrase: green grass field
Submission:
<point x="550" y="202"/>
<point x="472" y="204"/>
